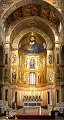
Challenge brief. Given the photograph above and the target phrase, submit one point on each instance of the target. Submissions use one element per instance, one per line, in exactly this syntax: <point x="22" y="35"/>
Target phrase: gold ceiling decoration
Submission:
<point x="33" y="10"/>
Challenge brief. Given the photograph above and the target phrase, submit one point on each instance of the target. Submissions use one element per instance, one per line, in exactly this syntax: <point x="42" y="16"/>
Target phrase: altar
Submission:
<point x="31" y="105"/>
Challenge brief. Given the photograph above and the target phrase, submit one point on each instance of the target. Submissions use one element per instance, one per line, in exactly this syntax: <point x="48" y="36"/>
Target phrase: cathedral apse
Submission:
<point x="32" y="52"/>
<point x="30" y="72"/>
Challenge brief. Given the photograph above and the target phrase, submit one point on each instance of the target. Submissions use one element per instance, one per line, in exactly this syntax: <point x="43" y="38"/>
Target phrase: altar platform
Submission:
<point x="32" y="113"/>
<point x="32" y="105"/>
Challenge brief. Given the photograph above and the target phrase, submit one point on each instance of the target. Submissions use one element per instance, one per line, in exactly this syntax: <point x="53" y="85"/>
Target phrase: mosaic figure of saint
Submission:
<point x="14" y="58"/>
<point x="39" y="79"/>
<point x="38" y="62"/>
<point x="24" y="79"/>
<point x="50" y="59"/>
<point x="50" y="76"/>
<point x="13" y="76"/>
<point x="32" y="63"/>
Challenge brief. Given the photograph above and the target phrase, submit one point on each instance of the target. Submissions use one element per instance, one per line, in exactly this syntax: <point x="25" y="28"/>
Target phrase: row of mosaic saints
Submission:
<point x="32" y="64"/>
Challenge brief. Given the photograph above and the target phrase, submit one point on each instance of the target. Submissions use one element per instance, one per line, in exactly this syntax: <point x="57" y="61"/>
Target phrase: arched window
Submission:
<point x="32" y="78"/>
<point x="16" y="97"/>
<point x="57" y="94"/>
<point x="6" y="94"/>
<point x="48" y="97"/>
<point x="57" y="58"/>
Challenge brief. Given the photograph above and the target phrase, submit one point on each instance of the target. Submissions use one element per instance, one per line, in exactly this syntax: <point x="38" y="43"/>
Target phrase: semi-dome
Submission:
<point x="32" y="46"/>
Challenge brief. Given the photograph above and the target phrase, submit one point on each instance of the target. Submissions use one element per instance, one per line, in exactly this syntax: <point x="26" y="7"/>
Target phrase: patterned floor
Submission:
<point x="31" y="111"/>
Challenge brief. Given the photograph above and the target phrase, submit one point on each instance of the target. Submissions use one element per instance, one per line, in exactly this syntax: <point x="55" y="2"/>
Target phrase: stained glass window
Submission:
<point x="32" y="78"/>
<point x="57" y="93"/>
<point x="48" y="97"/>
<point x="57" y="58"/>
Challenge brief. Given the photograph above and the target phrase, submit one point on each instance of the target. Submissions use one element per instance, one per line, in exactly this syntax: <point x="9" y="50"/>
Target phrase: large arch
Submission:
<point x="32" y="22"/>
<point x="25" y="2"/>
<point x="44" y="4"/>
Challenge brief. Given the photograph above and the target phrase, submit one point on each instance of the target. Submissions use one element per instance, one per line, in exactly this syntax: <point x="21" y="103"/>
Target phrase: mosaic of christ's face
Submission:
<point x="32" y="38"/>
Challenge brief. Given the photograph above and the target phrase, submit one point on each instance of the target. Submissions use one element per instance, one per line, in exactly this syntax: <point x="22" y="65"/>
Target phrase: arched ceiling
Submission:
<point x="36" y="14"/>
<point x="18" y="3"/>
<point x="32" y="22"/>
<point x="33" y="10"/>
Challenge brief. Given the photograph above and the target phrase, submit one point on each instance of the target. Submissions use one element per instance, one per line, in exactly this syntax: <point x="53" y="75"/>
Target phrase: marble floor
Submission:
<point x="30" y="111"/>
